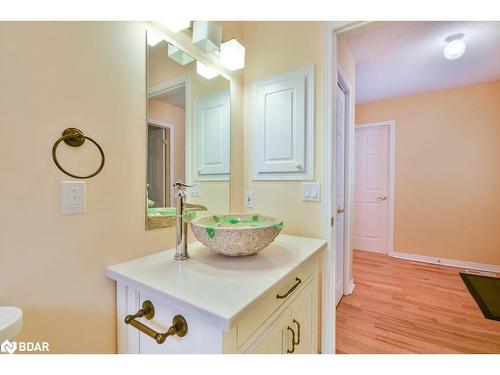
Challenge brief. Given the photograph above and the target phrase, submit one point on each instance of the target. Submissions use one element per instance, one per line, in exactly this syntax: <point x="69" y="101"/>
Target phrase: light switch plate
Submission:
<point x="194" y="191"/>
<point x="72" y="197"/>
<point x="249" y="199"/>
<point x="311" y="191"/>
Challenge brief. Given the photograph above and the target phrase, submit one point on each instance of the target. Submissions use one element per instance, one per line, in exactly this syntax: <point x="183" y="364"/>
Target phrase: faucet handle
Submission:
<point x="181" y="186"/>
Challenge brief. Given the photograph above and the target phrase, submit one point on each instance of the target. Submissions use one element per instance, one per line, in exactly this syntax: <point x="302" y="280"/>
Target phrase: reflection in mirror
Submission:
<point x="188" y="134"/>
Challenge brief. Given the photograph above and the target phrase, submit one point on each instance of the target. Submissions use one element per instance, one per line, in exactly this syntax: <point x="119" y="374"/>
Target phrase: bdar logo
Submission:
<point x="8" y="347"/>
<point x="24" y="346"/>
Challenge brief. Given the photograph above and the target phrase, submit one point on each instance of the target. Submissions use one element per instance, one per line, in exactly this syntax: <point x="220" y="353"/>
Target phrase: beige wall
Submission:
<point x="346" y="61"/>
<point x="55" y="75"/>
<point x="174" y="116"/>
<point x="272" y="48"/>
<point x="447" y="199"/>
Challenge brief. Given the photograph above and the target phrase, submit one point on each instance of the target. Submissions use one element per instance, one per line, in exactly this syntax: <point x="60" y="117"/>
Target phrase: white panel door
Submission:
<point x="281" y="112"/>
<point x="213" y="136"/>
<point x="370" y="204"/>
<point x="340" y="194"/>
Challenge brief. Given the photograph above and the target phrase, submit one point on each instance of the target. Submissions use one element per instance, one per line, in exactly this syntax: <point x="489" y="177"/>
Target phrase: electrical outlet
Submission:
<point x="249" y="199"/>
<point x="72" y="197"/>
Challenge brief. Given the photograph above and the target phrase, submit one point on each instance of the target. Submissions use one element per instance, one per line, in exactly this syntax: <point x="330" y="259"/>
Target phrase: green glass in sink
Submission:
<point x="161" y="211"/>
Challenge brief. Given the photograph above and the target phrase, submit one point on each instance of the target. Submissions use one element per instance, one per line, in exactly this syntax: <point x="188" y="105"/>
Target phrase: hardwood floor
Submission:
<point x="400" y="306"/>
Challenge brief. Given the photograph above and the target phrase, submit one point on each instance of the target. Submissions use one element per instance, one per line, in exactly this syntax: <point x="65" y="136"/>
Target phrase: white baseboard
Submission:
<point x="447" y="262"/>
<point x="349" y="288"/>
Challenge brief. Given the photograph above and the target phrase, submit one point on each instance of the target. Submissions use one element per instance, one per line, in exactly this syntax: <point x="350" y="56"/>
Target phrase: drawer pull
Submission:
<point x="298" y="333"/>
<point x="293" y="341"/>
<point x="290" y="291"/>
<point x="179" y="325"/>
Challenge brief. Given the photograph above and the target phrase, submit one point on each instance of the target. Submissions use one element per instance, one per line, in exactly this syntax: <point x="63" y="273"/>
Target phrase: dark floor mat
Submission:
<point x="486" y="292"/>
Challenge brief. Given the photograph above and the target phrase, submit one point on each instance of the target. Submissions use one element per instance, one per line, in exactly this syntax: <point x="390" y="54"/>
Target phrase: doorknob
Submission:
<point x="382" y="197"/>
<point x="340" y="210"/>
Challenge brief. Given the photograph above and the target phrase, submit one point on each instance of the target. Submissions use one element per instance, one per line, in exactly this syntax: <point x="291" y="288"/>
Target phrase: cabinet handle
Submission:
<point x="279" y="296"/>
<point x="179" y="325"/>
<point x="293" y="341"/>
<point x="298" y="333"/>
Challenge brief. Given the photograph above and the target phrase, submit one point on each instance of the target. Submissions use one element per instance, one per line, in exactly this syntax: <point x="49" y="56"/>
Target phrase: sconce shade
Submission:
<point x="207" y="36"/>
<point x="205" y="71"/>
<point x="178" y="55"/>
<point x="232" y="55"/>
<point x="153" y="38"/>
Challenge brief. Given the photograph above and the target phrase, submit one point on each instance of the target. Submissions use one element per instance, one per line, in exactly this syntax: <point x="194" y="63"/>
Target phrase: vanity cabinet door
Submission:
<point x="295" y="331"/>
<point x="304" y="320"/>
<point x="276" y="340"/>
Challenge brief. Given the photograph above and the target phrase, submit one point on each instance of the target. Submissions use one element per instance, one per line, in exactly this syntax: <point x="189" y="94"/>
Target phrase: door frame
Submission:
<point x="168" y="86"/>
<point x="161" y="89"/>
<point x="330" y="77"/>
<point x="391" y="152"/>
<point x="164" y="125"/>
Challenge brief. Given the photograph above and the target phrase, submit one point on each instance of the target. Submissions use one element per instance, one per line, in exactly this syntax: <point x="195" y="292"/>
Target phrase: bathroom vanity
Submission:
<point x="263" y="303"/>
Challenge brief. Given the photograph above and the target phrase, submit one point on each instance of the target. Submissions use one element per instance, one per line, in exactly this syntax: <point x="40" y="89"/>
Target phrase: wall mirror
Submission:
<point x="188" y="134"/>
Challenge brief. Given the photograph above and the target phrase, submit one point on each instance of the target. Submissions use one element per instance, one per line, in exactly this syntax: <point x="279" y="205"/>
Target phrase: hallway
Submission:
<point x="400" y="306"/>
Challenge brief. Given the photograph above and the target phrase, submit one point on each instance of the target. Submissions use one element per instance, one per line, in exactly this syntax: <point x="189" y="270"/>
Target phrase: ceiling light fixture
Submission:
<point x="232" y="55"/>
<point x="178" y="55"/>
<point x="207" y="36"/>
<point x="153" y="38"/>
<point x="205" y="71"/>
<point x="176" y="25"/>
<point x="455" y="47"/>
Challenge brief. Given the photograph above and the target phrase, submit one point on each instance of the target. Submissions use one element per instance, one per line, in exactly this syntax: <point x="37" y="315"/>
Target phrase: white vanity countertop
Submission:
<point x="216" y="287"/>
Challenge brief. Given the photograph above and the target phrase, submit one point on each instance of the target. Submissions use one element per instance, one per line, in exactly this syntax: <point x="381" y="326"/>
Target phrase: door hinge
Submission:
<point x="332" y="221"/>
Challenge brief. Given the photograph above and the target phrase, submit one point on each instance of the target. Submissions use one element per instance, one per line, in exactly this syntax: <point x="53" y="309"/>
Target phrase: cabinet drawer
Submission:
<point x="267" y="304"/>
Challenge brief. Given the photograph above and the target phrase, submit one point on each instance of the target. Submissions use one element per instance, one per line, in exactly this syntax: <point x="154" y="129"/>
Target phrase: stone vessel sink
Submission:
<point x="236" y="235"/>
<point x="160" y="217"/>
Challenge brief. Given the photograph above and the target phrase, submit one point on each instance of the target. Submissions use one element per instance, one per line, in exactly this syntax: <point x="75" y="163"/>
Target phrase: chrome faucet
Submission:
<point x="182" y="209"/>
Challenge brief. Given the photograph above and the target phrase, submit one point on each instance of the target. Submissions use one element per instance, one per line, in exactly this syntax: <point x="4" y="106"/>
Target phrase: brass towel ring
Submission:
<point x="75" y="138"/>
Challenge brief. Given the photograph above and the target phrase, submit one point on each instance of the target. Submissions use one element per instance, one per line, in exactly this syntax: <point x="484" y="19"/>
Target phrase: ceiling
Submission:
<point x="175" y="97"/>
<point x="406" y="58"/>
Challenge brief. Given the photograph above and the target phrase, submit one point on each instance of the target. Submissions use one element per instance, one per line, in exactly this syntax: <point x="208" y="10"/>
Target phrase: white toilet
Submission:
<point x="11" y="322"/>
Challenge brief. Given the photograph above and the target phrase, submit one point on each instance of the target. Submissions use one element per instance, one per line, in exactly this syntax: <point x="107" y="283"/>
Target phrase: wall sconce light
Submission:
<point x="176" y="25"/>
<point x="232" y="55"/>
<point x="205" y="71"/>
<point x="153" y="38"/>
<point x="178" y="55"/>
<point x="207" y="36"/>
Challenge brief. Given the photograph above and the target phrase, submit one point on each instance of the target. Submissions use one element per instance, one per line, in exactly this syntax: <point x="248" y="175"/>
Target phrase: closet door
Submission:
<point x="370" y="203"/>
